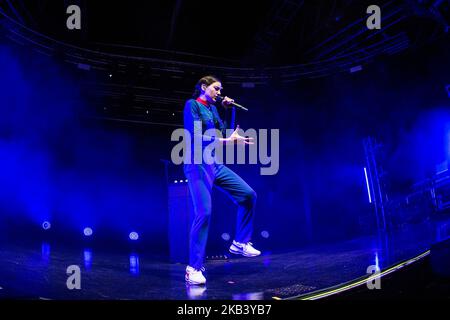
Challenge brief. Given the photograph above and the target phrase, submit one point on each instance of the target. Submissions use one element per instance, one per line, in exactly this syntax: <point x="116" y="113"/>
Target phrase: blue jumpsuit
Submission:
<point x="202" y="177"/>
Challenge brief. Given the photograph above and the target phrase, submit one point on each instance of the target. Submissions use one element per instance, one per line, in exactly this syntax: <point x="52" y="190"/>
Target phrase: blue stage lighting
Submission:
<point x="377" y="262"/>
<point x="46" y="225"/>
<point x="134" y="236"/>
<point x="87" y="232"/>
<point x="367" y="184"/>
<point x="225" y="236"/>
<point x="45" y="252"/>
<point x="87" y="255"/>
<point x="134" y="264"/>
<point x="265" y="234"/>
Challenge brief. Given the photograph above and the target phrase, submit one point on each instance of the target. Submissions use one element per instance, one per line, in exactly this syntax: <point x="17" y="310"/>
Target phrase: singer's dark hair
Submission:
<point x="208" y="80"/>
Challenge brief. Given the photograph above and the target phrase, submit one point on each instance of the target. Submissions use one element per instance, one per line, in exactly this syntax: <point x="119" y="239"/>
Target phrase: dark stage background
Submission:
<point x="76" y="159"/>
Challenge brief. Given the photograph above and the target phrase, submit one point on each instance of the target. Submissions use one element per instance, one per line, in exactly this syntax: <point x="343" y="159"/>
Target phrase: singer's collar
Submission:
<point x="203" y="102"/>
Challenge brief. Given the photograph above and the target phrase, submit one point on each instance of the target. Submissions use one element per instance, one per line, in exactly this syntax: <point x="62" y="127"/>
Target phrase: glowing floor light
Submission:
<point x="133" y="236"/>
<point x="46" y="225"/>
<point x="87" y="232"/>
<point x="265" y="234"/>
<point x="225" y="236"/>
<point x="87" y="255"/>
<point x="367" y="183"/>
<point x="134" y="264"/>
<point x="45" y="251"/>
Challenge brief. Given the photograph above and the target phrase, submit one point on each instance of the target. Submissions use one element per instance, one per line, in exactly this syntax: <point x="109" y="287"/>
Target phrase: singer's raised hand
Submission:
<point x="236" y="138"/>
<point x="227" y="101"/>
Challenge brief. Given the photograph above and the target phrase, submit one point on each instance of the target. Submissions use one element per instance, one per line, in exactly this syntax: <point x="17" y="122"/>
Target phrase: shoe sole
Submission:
<point x="245" y="255"/>
<point x="194" y="282"/>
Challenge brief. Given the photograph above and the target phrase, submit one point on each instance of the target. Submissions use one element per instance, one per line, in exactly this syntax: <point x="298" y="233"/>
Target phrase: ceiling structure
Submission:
<point x="154" y="43"/>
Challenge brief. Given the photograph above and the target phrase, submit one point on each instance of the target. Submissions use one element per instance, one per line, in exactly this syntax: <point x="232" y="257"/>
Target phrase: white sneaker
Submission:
<point x="246" y="249"/>
<point x="194" y="276"/>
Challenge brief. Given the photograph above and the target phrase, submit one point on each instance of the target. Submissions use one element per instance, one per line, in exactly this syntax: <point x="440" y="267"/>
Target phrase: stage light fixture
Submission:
<point x="46" y="225"/>
<point x="133" y="236"/>
<point x="265" y="234"/>
<point x="225" y="236"/>
<point x="87" y="231"/>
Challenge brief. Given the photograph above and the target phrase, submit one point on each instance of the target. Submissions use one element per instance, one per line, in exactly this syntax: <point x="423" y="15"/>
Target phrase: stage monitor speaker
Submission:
<point x="181" y="215"/>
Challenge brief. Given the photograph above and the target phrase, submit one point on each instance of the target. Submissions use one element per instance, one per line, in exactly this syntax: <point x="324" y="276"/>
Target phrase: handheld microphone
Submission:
<point x="220" y="98"/>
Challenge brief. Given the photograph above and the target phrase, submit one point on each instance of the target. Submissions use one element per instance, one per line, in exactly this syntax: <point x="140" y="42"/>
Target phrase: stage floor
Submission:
<point x="38" y="271"/>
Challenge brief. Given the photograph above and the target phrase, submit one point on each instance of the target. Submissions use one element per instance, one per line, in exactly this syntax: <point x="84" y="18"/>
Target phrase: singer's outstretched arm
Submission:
<point x="236" y="138"/>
